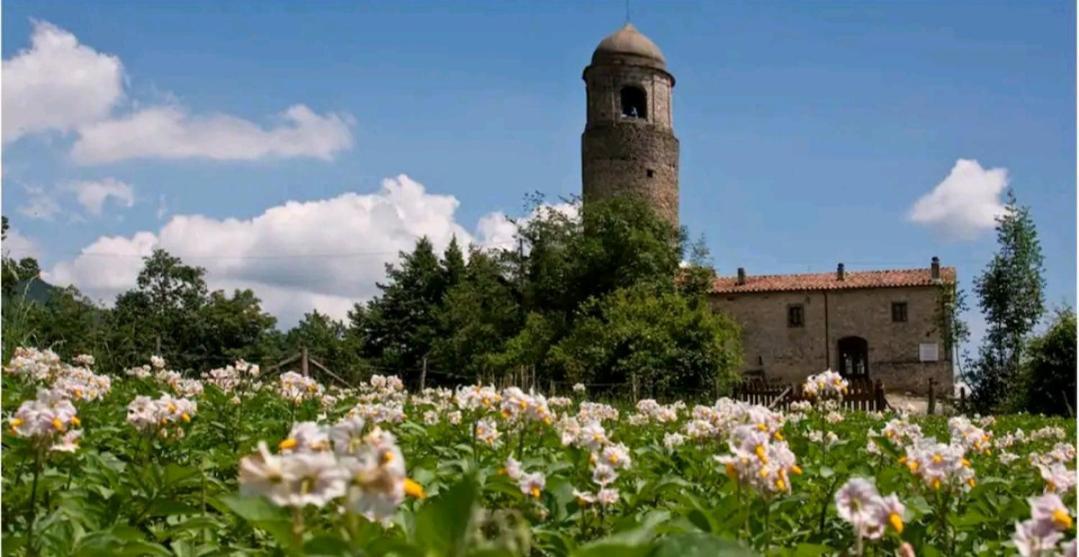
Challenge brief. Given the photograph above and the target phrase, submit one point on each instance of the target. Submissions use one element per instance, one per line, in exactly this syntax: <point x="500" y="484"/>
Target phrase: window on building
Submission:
<point x="634" y="102"/>
<point x="795" y="315"/>
<point x="899" y="312"/>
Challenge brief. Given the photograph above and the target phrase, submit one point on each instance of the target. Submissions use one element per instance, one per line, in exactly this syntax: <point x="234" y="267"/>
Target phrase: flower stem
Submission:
<point x="33" y="504"/>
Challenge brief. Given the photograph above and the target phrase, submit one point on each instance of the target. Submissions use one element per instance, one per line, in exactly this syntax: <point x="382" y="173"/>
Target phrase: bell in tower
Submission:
<point x="628" y="146"/>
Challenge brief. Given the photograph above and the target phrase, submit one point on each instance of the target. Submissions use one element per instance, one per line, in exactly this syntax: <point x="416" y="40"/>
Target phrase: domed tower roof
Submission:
<point x="628" y="46"/>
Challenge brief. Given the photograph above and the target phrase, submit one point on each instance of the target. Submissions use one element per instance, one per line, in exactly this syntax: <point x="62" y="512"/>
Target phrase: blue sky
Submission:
<point x="808" y="132"/>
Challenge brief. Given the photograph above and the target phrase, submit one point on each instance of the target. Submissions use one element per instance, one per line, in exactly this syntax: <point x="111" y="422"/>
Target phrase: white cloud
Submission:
<point x="324" y="254"/>
<point x="497" y="229"/>
<point x="18" y="246"/>
<point x="965" y="203"/>
<point x="39" y="204"/>
<point x="92" y="194"/>
<point x="168" y="132"/>
<point x="57" y="84"/>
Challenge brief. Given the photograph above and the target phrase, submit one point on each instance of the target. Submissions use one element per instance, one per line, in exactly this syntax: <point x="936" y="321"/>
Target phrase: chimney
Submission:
<point x="741" y="275"/>
<point x="934" y="268"/>
<point x="840" y="273"/>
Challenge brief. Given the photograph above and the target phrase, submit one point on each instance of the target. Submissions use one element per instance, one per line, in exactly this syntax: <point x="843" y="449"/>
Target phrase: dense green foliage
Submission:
<point x="1047" y="380"/>
<point x="1010" y="294"/>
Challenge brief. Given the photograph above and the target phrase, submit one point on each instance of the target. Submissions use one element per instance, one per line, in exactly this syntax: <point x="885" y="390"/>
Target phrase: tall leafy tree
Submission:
<point x="1047" y="385"/>
<point x="234" y="327"/>
<point x="476" y="317"/>
<point x="399" y="327"/>
<point x="161" y="314"/>
<point x="1011" y="295"/>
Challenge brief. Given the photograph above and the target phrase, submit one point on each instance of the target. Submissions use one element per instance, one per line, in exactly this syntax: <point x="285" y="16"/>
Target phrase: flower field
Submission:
<point x="147" y="461"/>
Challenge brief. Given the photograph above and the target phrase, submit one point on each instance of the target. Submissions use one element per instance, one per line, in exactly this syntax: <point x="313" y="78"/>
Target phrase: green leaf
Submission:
<point x="327" y="546"/>
<point x="262" y="514"/>
<point x="442" y="523"/>
<point x="699" y="545"/>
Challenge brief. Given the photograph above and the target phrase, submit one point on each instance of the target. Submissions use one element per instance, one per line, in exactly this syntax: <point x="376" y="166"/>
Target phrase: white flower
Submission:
<point x="859" y="504"/>
<point x="672" y="440"/>
<point x="532" y="484"/>
<point x="347" y="435"/>
<point x="607" y="496"/>
<point x="513" y="469"/>
<point x="617" y="456"/>
<point x="579" y="388"/>
<point x="487" y="431"/>
<point x="430" y="417"/>
<point x="603" y="474"/>
<point x="584" y="498"/>
<point x="306" y="437"/>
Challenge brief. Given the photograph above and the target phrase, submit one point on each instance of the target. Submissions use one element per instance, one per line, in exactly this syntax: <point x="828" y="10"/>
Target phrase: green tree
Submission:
<point x="1047" y="385"/>
<point x="400" y="326"/>
<point x="235" y="327"/>
<point x="477" y="316"/>
<point x="1010" y="294"/>
<point x="327" y="340"/>
<point x="655" y="341"/>
<point x="161" y="314"/>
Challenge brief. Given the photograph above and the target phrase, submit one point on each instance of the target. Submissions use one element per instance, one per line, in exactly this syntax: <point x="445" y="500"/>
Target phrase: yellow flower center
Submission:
<point x="287" y="444"/>
<point x="762" y="427"/>
<point x="58" y="424"/>
<point x="937" y="459"/>
<point x="780" y="484"/>
<point x="185" y="417"/>
<point x="732" y="472"/>
<point x="795" y="469"/>
<point x="16" y="422"/>
<point x="1062" y="518"/>
<point x="896" y="521"/>
<point x="936" y="484"/>
<point x="761" y="454"/>
<point x="414" y="489"/>
<point x="535" y="492"/>
<point x="75" y="421"/>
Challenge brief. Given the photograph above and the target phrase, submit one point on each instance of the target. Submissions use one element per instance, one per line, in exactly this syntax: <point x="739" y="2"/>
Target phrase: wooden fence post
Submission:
<point x="879" y="401"/>
<point x="303" y="362"/>
<point x="932" y="397"/>
<point x="423" y="374"/>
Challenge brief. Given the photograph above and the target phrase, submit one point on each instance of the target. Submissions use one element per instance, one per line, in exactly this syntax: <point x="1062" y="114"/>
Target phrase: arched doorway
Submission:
<point x="853" y="357"/>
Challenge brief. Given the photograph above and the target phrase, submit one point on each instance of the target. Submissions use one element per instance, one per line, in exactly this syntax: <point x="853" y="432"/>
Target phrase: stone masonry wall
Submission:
<point x="627" y="156"/>
<point x="792" y="353"/>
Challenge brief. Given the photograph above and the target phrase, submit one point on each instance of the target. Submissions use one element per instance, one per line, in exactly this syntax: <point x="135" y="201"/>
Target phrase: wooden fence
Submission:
<point x="862" y="394"/>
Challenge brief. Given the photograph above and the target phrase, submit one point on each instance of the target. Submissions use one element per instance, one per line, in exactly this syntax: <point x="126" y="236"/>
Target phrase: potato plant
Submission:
<point x="236" y="462"/>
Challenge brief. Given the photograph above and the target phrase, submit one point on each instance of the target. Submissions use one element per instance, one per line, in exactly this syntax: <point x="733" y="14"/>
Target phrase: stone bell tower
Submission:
<point x="628" y="146"/>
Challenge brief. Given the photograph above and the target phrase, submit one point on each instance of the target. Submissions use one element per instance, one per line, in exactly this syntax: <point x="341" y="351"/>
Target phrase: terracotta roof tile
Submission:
<point x="891" y="278"/>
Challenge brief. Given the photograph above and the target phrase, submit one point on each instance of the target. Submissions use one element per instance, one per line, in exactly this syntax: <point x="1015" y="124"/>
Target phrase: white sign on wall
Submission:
<point x="927" y="352"/>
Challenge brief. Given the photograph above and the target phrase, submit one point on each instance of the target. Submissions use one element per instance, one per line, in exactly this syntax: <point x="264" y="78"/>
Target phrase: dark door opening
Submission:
<point x="853" y="357"/>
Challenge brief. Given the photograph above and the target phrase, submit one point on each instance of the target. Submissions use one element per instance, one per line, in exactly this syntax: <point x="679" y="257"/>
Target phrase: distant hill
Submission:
<point x="34" y="290"/>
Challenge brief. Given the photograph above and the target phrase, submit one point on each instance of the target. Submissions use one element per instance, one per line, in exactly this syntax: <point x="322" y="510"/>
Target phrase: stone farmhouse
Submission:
<point x="882" y="325"/>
